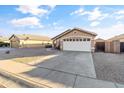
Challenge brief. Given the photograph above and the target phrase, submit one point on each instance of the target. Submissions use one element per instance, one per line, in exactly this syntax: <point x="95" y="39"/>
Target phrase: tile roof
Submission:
<point x="117" y="37"/>
<point x="69" y="30"/>
<point x="99" y="40"/>
<point x="32" y="37"/>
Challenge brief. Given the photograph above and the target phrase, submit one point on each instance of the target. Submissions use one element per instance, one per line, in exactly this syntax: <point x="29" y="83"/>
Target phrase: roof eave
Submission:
<point x="92" y="33"/>
<point x="65" y="32"/>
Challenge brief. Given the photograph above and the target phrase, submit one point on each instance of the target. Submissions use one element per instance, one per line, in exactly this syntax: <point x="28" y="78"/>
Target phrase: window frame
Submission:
<point x="84" y="39"/>
<point x="88" y="39"/>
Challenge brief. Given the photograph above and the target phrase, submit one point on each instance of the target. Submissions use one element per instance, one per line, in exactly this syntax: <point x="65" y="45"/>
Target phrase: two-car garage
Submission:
<point x="77" y="44"/>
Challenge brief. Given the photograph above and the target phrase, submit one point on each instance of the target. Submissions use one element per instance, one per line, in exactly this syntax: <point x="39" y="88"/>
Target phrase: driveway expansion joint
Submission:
<point x="116" y="85"/>
<point x="75" y="81"/>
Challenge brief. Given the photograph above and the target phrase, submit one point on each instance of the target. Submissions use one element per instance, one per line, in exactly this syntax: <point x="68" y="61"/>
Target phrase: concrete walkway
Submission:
<point x="54" y="78"/>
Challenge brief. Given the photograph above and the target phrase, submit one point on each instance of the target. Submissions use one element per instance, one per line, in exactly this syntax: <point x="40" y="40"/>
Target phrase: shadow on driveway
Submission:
<point x="63" y="69"/>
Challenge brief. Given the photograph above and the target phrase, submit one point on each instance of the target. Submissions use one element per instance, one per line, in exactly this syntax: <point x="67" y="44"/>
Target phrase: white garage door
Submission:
<point x="77" y="44"/>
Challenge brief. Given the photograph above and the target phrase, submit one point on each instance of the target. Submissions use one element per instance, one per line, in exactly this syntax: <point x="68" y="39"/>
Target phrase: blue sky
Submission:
<point x="51" y="20"/>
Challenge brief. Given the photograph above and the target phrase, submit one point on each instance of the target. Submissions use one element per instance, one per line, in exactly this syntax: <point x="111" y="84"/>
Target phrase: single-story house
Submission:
<point x="115" y="44"/>
<point x="4" y="39"/>
<point x="4" y="42"/>
<point x="28" y="41"/>
<point x="111" y="45"/>
<point x="75" y="39"/>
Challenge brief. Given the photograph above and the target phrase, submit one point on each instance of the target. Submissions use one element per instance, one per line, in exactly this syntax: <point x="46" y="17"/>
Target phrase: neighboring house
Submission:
<point x="112" y="45"/>
<point x="99" y="45"/>
<point x="115" y="44"/>
<point x="4" y="42"/>
<point x="75" y="39"/>
<point x="4" y="39"/>
<point x="28" y="41"/>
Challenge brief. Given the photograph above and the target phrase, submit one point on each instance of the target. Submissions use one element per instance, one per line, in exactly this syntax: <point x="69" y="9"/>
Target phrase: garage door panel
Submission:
<point x="77" y="46"/>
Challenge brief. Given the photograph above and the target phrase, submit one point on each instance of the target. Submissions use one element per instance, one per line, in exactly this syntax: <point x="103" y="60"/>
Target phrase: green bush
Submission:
<point x="48" y="46"/>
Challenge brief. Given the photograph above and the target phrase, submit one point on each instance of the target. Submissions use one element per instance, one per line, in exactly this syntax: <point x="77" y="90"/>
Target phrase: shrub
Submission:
<point x="48" y="46"/>
<point x="7" y="52"/>
<point x="3" y="44"/>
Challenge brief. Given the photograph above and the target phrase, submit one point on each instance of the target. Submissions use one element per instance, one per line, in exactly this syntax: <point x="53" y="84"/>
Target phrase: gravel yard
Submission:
<point x="109" y="66"/>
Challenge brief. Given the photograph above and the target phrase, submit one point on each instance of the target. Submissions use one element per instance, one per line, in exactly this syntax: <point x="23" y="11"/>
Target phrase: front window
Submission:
<point x="88" y="39"/>
<point x="64" y="39"/>
<point x="80" y="39"/>
<point x="73" y="39"/>
<point x="84" y="39"/>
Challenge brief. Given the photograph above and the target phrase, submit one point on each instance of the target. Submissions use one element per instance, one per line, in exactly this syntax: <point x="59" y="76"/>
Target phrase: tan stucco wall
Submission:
<point x="107" y="46"/>
<point x="112" y="46"/>
<point x="116" y="46"/>
<point x="74" y="34"/>
<point x="33" y="43"/>
<point x="121" y="40"/>
<point x="14" y="42"/>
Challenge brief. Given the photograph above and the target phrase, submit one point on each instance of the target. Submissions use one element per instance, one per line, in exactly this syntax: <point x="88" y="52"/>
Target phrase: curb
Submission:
<point x="93" y="63"/>
<point x="22" y="80"/>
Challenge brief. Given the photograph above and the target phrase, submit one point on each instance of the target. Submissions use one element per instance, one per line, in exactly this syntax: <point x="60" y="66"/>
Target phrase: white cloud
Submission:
<point x="120" y="12"/>
<point x="54" y="23"/>
<point x="103" y="16"/>
<point x="108" y="32"/>
<point x="27" y="21"/>
<point x="119" y="17"/>
<point x="79" y="11"/>
<point x="52" y="6"/>
<point x="94" y="23"/>
<point x="93" y="15"/>
<point x="96" y="14"/>
<point x="34" y="10"/>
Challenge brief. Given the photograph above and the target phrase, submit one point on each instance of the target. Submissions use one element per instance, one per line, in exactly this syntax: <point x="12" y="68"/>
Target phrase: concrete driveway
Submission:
<point x="80" y="63"/>
<point x="56" y="68"/>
